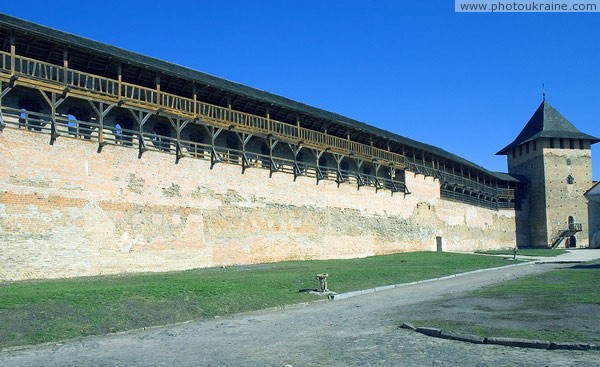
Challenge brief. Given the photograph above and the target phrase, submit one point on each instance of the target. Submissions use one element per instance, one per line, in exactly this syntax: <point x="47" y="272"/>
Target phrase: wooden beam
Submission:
<point x="4" y="91"/>
<point x="120" y="79"/>
<point x="141" y="117"/>
<point x="244" y="139"/>
<point x="195" y="98"/>
<point x="319" y="174"/>
<point x="101" y="112"/>
<point x="65" y="65"/>
<point x="13" y="53"/>
<point x="53" y="103"/>
<point x="296" y="150"/>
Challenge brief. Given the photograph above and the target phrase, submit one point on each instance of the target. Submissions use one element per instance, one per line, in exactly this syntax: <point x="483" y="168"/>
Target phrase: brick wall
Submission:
<point x="66" y="210"/>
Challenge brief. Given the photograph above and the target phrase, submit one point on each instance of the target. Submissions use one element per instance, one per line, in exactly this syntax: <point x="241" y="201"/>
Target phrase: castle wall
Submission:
<point x="532" y="228"/>
<point x="66" y="210"/>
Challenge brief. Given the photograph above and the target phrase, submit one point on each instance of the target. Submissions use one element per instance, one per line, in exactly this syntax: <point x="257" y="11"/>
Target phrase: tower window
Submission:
<point x="568" y="161"/>
<point x="520" y="150"/>
<point x="581" y="145"/>
<point x="534" y="145"/>
<point x="570" y="180"/>
<point x="571" y="144"/>
<point x="527" y="148"/>
<point x="514" y="152"/>
<point x="551" y="143"/>
<point x="562" y="143"/>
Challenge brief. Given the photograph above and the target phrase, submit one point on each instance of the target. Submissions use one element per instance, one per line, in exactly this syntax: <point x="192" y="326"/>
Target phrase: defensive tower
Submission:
<point x="555" y="159"/>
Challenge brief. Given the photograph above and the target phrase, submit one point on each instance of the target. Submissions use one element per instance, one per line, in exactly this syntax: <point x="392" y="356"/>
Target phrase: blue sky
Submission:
<point x="466" y="82"/>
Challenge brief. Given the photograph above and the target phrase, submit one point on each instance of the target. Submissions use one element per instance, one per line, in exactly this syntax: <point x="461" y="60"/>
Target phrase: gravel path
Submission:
<point x="358" y="331"/>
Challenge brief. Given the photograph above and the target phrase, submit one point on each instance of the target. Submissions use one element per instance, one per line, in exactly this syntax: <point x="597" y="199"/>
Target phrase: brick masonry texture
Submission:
<point x="66" y="210"/>
<point x="551" y="199"/>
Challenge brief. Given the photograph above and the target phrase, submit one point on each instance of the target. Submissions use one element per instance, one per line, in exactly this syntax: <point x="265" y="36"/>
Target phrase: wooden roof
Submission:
<point x="47" y="44"/>
<point x="547" y="122"/>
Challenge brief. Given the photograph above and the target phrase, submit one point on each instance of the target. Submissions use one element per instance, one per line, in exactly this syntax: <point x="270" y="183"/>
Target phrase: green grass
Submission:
<point x="559" y="289"/>
<point x="551" y="299"/>
<point x="34" y="312"/>
<point x="542" y="252"/>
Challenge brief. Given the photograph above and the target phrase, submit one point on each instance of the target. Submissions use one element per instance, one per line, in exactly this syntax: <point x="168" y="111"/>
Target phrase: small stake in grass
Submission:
<point x="322" y="278"/>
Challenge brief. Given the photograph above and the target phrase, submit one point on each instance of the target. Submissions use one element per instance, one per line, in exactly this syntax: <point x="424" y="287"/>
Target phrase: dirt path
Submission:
<point x="358" y="331"/>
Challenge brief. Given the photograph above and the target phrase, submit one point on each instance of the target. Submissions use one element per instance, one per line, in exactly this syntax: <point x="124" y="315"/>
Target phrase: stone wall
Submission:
<point x="593" y="197"/>
<point x="66" y="210"/>
<point x="567" y="200"/>
<point x="551" y="198"/>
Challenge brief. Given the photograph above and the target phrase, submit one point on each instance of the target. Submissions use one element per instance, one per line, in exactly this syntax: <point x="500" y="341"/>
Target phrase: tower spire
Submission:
<point x="543" y="92"/>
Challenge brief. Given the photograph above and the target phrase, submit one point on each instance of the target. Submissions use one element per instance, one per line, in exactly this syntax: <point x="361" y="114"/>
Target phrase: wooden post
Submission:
<point x="12" y="53"/>
<point x="65" y="65"/>
<point x="269" y="120"/>
<point x="119" y="78"/>
<point x="348" y="137"/>
<point x="229" y="114"/>
<point x="53" y="103"/>
<point x="195" y="97"/>
<point x="157" y="81"/>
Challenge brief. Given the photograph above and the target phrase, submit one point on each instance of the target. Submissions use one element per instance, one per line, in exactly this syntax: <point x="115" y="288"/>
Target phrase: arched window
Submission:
<point x="568" y="161"/>
<point x="570" y="180"/>
<point x="118" y="133"/>
<point x="22" y="117"/>
<point x="29" y="114"/>
<point x="72" y="125"/>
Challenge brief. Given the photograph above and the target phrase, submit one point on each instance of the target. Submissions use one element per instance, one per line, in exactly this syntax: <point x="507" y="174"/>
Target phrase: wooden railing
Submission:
<point x="154" y="99"/>
<point x="87" y="130"/>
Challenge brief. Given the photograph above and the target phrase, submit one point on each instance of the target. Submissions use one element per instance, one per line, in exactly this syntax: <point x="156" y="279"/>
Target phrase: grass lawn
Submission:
<point x="34" y="312"/>
<point x="542" y="252"/>
<point x="555" y="290"/>
<point x="560" y="305"/>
